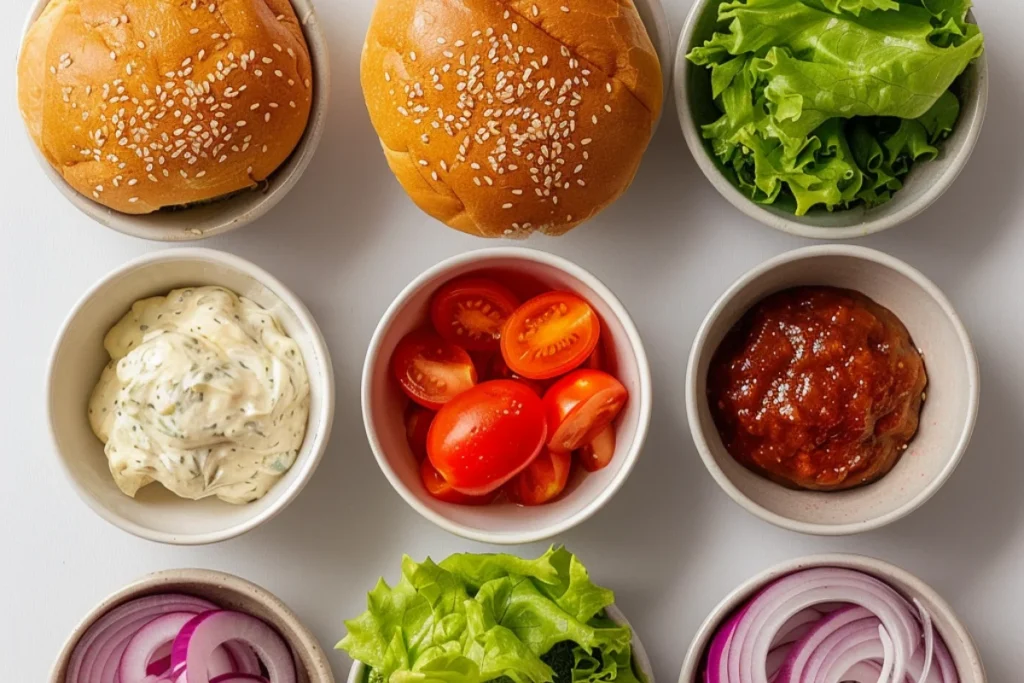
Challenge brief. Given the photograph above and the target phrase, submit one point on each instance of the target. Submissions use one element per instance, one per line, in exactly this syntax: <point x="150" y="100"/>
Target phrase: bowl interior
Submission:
<point x="926" y="181"/>
<point x="957" y="639"/>
<point x="79" y="357"/>
<point x="241" y="208"/>
<point x="228" y="592"/>
<point x="946" y="419"/>
<point x="501" y="522"/>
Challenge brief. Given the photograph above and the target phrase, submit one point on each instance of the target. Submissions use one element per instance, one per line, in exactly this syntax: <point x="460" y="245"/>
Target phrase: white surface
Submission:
<point x="346" y="240"/>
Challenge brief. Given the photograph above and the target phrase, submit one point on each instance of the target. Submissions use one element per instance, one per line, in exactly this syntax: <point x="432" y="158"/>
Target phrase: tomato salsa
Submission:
<point x="817" y="388"/>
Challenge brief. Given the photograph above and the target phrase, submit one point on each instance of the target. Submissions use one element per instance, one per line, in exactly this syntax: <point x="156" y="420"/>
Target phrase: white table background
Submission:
<point x="346" y="240"/>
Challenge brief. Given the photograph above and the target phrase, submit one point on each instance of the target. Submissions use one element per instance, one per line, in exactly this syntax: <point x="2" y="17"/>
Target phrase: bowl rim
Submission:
<point x="215" y="579"/>
<point x="246" y="212"/>
<point x="694" y="393"/>
<point x="660" y="33"/>
<point x="869" y="565"/>
<point x="373" y="358"/>
<point x="954" y="165"/>
<point x="317" y="440"/>
<point x="640" y="657"/>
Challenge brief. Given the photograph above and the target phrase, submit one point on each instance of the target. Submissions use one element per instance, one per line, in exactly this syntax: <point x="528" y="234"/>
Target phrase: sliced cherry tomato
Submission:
<point x="550" y="335"/>
<point x="430" y="370"/>
<point x="487" y="435"/>
<point x="543" y="481"/>
<point x="439" y="488"/>
<point x="596" y="361"/>
<point x="499" y="369"/>
<point x="471" y="311"/>
<point x="597" y="454"/>
<point x="417" y="426"/>
<point x="579" y="406"/>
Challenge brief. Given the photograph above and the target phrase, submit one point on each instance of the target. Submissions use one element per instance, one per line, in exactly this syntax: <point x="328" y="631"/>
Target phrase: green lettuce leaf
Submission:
<point x="478" y="618"/>
<point x="810" y="91"/>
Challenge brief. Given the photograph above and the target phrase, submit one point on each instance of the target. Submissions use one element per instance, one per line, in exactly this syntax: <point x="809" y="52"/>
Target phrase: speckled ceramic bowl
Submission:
<point x="953" y="632"/>
<point x="358" y="672"/>
<point x="78" y="358"/>
<point x="223" y="215"/>
<point x="925" y="184"/>
<point x="225" y="590"/>
<point x="947" y="418"/>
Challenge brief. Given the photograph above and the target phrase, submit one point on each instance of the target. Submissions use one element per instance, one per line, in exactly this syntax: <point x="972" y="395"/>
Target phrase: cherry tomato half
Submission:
<point x="597" y="454"/>
<point x="579" y="406"/>
<point x="438" y="488"/>
<point x="417" y="426"/>
<point x="430" y="370"/>
<point x="471" y="311"/>
<point x="543" y="481"/>
<point x="597" y="360"/>
<point x="550" y="335"/>
<point x="485" y="436"/>
<point x="499" y="369"/>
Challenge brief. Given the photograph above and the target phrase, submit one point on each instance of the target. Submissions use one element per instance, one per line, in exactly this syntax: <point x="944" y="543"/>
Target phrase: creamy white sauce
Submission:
<point x="204" y="393"/>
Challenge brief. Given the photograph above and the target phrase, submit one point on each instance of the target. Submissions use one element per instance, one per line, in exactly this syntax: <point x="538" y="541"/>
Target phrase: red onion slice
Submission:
<point x="239" y="678"/>
<point x="206" y="632"/>
<point x="788" y="596"/>
<point x="96" y="656"/>
<point x="246" y="661"/>
<point x="829" y="625"/>
<point x="144" y="645"/>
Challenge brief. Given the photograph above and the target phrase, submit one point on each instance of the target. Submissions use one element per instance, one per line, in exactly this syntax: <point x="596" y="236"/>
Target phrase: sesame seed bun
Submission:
<point x="505" y="117"/>
<point x="147" y="105"/>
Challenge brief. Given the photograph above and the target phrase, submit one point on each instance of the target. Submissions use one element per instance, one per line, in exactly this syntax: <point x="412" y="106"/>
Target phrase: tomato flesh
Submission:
<point x="471" y="312"/>
<point x="499" y="369"/>
<point x="597" y="454"/>
<point x="543" y="481"/>
<point x="439" y="488"/>
<point x="550" y="335"/>
<point x="417" y="426"/>
<point x="430" y="370"/>
<point x="485" y="436"/>
<point x="580" y="405"/>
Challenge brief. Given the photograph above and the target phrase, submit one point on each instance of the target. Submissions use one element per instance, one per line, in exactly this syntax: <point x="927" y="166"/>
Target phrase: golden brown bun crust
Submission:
<point x="144" y="104"/>
<point x="501" y="117"/>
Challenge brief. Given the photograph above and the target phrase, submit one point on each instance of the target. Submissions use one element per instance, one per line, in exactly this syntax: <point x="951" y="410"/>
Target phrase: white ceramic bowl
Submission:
<point x="224" y="590"/>
<point x="358" y="672"/>
<point x="947" y="418"/>
<point x="240" y="209"/>
<point x="961" y="646"/>
<point x="652" y="13"/>
<point x="383" y="401"/>
<point x="925" y="183"/>
<point x="78" y="358"/>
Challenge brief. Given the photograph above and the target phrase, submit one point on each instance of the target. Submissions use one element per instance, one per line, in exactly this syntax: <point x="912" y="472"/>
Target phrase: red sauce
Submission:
<point x="817" y="388"/>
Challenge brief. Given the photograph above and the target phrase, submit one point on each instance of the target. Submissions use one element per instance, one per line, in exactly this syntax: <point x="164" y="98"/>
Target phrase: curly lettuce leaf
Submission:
<point x="478" y="618"/>
<point x="789" y="77"/>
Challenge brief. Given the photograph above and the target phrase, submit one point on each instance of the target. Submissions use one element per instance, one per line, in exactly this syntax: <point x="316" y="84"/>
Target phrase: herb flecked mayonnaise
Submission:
<point x="204" y="393"/>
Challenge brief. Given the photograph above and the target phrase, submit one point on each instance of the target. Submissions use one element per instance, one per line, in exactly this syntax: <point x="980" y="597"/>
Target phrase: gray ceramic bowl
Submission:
<point x="357" y="674"/>
<point x="239" y="209"/>
<point x="225" y="590"/>
<point x="925" y="184"/>
<point x="953" y="632"/>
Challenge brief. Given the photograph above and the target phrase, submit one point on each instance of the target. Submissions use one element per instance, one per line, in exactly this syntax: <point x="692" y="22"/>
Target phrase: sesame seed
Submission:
<point x="506" y="206"/>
